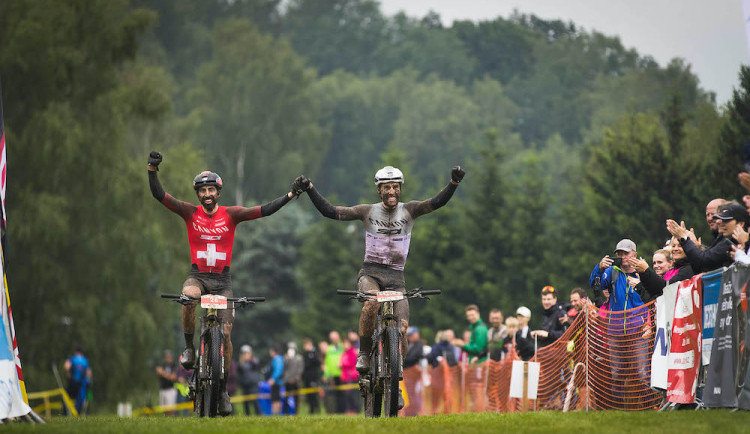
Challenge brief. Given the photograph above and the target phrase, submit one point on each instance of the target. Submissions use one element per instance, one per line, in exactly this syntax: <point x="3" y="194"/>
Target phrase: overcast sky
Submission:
<point x="709" y="34"/>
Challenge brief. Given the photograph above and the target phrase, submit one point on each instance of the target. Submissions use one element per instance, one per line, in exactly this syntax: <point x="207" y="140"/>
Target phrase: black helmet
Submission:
<point x="207" y="178"/>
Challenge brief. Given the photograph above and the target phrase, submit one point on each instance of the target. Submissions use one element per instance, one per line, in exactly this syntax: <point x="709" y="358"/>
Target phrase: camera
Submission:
<point x="617" y="262"/>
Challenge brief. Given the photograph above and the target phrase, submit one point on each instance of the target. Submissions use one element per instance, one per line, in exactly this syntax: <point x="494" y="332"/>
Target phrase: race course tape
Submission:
<point x="241" y="398"/>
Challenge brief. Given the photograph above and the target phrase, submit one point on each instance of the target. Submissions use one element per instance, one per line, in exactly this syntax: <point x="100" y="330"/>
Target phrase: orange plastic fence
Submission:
<point x="603" y="361"/>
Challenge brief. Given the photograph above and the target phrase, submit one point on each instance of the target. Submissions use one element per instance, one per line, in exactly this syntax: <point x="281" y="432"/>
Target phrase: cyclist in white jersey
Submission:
<point x="388" y="227"/>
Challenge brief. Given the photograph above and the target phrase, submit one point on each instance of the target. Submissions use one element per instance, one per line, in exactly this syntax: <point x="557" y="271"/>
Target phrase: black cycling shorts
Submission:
<point x="213" y="283"/>
<point x="375" y="278"/>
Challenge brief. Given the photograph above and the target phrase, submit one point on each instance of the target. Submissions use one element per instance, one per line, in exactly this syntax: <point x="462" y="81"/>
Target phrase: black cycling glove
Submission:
<point x="457" y="174"/>
<point x="300" y="185"/>
<point x="154" y="159"/>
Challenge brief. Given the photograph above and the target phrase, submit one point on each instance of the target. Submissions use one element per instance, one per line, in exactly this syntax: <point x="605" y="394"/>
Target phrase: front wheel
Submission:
<point x="392" y="358"/>
<point x="214" y="369"/>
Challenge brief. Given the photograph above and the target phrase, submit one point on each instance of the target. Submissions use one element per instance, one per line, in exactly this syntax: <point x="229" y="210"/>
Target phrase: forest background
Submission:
<point x="571" y="142"/>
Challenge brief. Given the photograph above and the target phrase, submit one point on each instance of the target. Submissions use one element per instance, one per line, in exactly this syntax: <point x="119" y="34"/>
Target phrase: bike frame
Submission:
<point x="380" y="385"/>
<point x="209" y="320"/>
<point x="386" y="318"/>
<point x="204" y="385"/>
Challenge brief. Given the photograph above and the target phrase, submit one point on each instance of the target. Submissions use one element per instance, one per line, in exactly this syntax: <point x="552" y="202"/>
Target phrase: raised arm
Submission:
<point x="183" y="209"/>
<point x="241" y="213"/>
<point x="419" y="208"/>
<point x="302" y="184"/>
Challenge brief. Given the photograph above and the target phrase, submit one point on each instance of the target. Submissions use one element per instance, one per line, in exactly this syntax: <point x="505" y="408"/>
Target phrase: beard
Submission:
<point x="386" y="197"/>
<point x="209" y="205"/>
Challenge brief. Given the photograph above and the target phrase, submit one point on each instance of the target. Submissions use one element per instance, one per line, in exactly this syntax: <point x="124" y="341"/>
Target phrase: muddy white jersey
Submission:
<point x="387" y="235"/>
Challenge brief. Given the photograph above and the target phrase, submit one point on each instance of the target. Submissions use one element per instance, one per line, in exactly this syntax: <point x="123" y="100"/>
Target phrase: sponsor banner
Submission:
<point x="685" y="348"/>
<point x="12" y="403"/>
<point x="711" y="291"/>
<point x="742" y="378"/>
<point x="664" y="317"/>
<point x="722" y="373"/>
<point x="12" y="389"/>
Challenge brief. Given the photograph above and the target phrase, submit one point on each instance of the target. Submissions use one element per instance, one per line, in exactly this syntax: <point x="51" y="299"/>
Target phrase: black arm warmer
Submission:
<point x="322" y="204"/>
<point x="443" y="197"/>
<point x="156" y="189"/>
<point x="274" y="205"/>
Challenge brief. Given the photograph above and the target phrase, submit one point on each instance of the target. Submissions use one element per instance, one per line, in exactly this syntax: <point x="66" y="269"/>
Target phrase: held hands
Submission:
<point x="300" y="185"/>
<point x="457" y="174"/>
<point x="154" y="159"/>
<point x="540" y="333"/>
<point x="605" y="263"/>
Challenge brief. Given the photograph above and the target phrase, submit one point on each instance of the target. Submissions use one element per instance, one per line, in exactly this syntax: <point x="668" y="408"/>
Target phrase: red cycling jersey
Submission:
<point x="211" y="237"/>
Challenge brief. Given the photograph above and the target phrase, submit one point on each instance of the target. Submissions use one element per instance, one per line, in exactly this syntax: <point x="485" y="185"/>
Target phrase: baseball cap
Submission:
<point x="523" y="311"/>
<point x="246" y="348"/>
<point x="411" y="330"/>
<point x="733" y="212"/>
<point x="625" y="245"/>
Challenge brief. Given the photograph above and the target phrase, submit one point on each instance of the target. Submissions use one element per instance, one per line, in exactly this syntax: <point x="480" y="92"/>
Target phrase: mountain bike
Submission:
<point x="379" y="387"/>
<point x="205" y="385"/>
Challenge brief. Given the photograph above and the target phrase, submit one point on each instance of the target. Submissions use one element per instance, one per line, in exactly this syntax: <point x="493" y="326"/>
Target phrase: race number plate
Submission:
<point x="211" y="301"/>
<point x="383" y="296"/>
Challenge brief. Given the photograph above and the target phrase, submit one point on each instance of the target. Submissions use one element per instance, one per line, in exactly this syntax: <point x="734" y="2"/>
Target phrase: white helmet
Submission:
<point x="388" y="174"/>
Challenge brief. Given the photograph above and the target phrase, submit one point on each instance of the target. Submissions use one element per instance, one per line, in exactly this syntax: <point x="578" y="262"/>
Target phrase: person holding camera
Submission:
<point x="730" y="216"/>
<point x="624" y="330"/>
<point x="612" y="275"/>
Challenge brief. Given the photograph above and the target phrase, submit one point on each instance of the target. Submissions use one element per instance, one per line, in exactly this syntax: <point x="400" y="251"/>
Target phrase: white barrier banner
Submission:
<point x="664" y="314"/>
<point x="516" y="379"/>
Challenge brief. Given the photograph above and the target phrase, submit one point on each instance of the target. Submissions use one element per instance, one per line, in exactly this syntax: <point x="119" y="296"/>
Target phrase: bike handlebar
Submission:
<point x="241" y="301"/>
<point x="365" y="296"/>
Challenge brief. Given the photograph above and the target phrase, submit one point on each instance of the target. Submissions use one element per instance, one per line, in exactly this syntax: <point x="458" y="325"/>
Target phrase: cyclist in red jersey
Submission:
<point x="210" y="230"/>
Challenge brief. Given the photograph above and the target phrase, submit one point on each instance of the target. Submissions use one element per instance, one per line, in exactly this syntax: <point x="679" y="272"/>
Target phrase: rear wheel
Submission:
<point x="392" y="358"/>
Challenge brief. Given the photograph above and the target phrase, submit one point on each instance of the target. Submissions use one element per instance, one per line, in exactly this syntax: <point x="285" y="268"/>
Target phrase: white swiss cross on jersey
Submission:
<point x="211" y="255"/>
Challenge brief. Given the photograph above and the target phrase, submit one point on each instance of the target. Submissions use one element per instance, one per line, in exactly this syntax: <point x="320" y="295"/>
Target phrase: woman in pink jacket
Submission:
<point x="349" y="376"/>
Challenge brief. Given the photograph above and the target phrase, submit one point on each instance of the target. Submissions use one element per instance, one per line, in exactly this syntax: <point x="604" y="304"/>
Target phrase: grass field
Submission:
<point x="716" y="421"/>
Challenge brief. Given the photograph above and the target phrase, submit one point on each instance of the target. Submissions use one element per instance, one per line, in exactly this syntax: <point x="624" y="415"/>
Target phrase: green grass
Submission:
<point x="682" y="422"/>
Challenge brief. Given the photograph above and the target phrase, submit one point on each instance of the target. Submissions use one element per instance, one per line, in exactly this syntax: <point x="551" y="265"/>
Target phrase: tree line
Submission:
<point x="571" y="142"/>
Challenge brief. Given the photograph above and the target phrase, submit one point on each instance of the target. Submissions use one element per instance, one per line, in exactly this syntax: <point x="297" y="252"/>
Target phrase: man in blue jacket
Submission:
<point x="614" y="277"/>
<point x="626" y="319"/>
